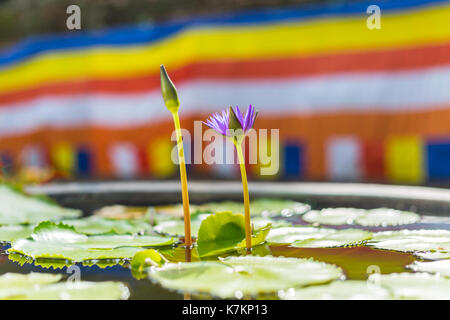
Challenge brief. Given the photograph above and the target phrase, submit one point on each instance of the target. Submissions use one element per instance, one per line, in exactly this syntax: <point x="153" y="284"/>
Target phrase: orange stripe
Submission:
<point x="313" y="131"/>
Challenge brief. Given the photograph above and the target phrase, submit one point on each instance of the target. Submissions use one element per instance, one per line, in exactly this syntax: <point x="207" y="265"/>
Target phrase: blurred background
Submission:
<point x="351" y="103"/>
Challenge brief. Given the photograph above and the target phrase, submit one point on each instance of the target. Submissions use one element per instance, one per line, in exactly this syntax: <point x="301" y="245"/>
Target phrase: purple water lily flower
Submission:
<point x="221" y="121"/>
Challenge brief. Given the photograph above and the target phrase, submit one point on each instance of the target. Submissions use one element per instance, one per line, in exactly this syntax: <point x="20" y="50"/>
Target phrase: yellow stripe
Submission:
<point x="404" y="159"/>
<point x="160" y="155"/>
<point x="63" y="158"/>
<point x="233" y="42"/>
<point x="268" y="156"/>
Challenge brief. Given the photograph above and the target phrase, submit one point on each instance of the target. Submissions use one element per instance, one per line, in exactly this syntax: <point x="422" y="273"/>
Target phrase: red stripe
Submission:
<point x="373" y="160"/>
<point x="385" y="60"/>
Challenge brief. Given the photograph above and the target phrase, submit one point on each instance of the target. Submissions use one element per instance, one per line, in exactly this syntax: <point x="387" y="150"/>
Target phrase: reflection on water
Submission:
<point x="355" y="261"/>
<point x="188" y="258"/>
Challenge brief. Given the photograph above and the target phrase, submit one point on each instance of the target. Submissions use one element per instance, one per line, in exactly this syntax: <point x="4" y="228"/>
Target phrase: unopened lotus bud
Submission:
<point x="169" y="92"/>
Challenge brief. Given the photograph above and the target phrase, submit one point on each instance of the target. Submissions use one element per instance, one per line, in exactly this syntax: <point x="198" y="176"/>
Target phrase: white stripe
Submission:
<point x="33" y="156"/>
<point x="343" y="159"/>
<point x="124" y="159"/>
<point x="389" y="92"/>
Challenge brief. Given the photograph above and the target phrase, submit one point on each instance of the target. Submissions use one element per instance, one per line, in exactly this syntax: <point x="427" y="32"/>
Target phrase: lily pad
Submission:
<point x="220" y="232"/>
<point x="386" y="217"/>
<point x="174" y="211"/>
<point x="10" y="280"/>
<point x="441" y="267"/>
<point x="13" y="232"/>
<point x="260" y="222"/>
<point x="333" y="216"/>
<point x="340" y="238"/>
<point x="433" y="255"/>
<point x="314" y="237"/>
<point x="176" y="227"/>
<point x="225" y="231"/>
<point x="341" y="290"/>
<point x="380" y="217"/>
<point x="180" y="254"/>
<point x="423" y="286"/>
<point x="412" y="240"/>
<point x="19" y="208"/>
<point x="82" y="290"/>
<point x="143" y="259"/>
<point x="258" y="207"/>
<point x="291" y="234"/>
<point x="120" y="212"/>
<point x="59" y="263"/>
<point x="259" y="236"/>
<point x="71" y="252"/>
<point x="43" y="286"/>
<point x="98" y="225"/>
<point x="239" y="277"/>
<point x="59" y="241"/>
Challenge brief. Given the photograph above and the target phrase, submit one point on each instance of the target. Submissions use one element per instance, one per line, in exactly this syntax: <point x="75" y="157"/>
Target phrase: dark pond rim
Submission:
<point x="92" y="195"/>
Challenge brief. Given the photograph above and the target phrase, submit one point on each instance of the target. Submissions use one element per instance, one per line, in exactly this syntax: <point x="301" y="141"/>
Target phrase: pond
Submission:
<point x="357" y="257"/>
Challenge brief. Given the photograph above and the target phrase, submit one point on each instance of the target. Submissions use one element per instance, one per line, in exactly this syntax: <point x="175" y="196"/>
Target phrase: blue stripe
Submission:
<point x="84" y="162"/>
<point x="293" y="160"/>
<point x="438" y="160"/>
<point x="146" y="33"/>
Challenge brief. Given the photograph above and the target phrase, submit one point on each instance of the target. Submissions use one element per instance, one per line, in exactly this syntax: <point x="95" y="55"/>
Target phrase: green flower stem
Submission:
<point x="248" y="228"/>
<point x="183" y="176"/>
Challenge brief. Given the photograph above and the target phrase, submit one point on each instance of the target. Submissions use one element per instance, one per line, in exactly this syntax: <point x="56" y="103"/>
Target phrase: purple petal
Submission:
<point x="249" y="118"/>
<point x="219" y="122"/>
<point x="239" y="116"/>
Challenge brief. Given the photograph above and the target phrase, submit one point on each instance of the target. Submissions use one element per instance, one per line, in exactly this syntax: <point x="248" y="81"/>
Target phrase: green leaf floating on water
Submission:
<point x="312" y="237"/>
<point x="339" y="238"/>
<point x="412" y="240"/>
<point x="61" y="263"/>
<point x="83" y="290"/>
<point x="260" y="222"/>
<point x="381" y="217"/>
<point x="14" y="232"/>
<point x="292" y="234"/>
<point x="333" y="216"/>
<point x="180" y="254"/>
<point x="59" y="241"/>
<point x="220" y="232"/>
<point x="19" y="208"/>
<point x="43" y="286"/>
<point x="435" y="255"/>
<point x="441" y="267"/>
<point x="259" y="236"/>
<point x="423" y="286"/>
<point x="15" y="280"/>
<point x="238" y="277"/>
<point x="51" y="231"/>
<point x="98" y="225"/>
<point x="340" y="290"/>
<point x="176" y="227"/>
<point x="258" y="207"/>
<point x="225" y="231"/>
<point x="143" y="259"/>
<point x="90" y="226"/>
